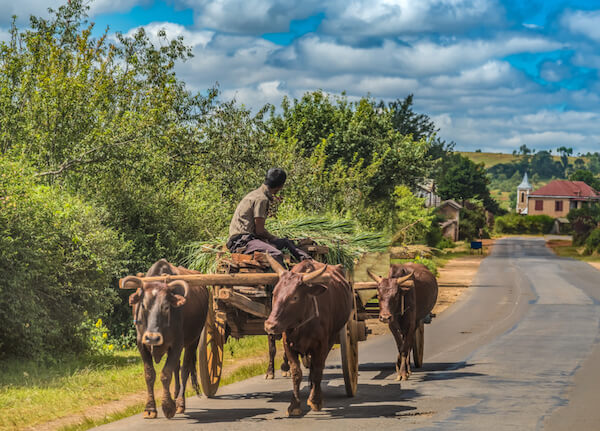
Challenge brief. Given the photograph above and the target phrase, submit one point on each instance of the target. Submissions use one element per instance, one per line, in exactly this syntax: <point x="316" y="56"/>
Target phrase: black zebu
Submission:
<point x="168" y="317"/>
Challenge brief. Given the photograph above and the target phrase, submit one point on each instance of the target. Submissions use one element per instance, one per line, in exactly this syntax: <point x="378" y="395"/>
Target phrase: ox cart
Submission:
<point x="240" y="296"/>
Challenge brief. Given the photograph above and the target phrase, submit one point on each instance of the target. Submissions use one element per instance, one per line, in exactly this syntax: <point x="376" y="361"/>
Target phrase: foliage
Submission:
<point x="592" y="243"/>
<point x="350" y="156"/>
<point x="463" y="179"/>
<point x="583" y="221"/>
<point x="57" y="261"/>
<point x="587" y="177"/>
<point x="525" y="224"/>
<point x="472" y="222"/>
<point x="410" y="220"/>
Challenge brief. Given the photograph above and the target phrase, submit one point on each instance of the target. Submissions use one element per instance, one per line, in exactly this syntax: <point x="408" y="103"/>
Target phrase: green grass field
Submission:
<point x="74" y="384"/>
<point x="491" y="159"/>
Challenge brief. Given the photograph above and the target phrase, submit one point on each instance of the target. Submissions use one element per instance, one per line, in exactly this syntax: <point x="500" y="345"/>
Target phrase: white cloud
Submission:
<point x="358" y="17"/>
<point x="191" y="38"/>
<point x="583" y="22"/>
<point x="421" y="59"/>
<point x="398" y="17"/>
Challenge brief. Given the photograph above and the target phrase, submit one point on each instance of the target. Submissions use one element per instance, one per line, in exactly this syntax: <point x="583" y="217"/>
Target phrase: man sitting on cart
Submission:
<point x="247" y="232"/>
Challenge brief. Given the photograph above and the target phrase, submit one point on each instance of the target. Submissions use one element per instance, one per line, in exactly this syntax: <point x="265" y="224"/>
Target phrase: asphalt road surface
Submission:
<point x="518" y="351"/>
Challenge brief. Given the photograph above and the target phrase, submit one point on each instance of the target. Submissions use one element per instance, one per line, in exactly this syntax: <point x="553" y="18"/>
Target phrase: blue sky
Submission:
<point x="492" y="74"/>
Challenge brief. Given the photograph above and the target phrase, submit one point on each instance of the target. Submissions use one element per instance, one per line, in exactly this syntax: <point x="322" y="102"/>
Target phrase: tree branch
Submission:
<point x="80" y="160"/>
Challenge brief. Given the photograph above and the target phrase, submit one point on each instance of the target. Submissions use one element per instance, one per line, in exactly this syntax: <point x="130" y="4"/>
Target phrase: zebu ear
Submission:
<point x="182" y="284"/>
<point x="176" y="300"/>
<point x="136" y="297"/>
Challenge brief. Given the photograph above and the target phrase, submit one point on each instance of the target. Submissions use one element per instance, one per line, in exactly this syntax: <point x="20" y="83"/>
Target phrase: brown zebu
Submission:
<point x="402" y="308"/>
<point x="309" y="313"/>
<point x="168" y="317"/>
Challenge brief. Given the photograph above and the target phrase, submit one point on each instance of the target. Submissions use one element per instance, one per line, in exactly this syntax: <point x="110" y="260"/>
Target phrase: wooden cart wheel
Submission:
<point x="349" y="349"/>
<point x="210" y="352"/>
<point x="419" y="344"/>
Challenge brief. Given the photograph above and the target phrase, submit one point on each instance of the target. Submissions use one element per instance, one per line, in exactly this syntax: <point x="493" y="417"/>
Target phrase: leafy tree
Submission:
<point x="583" y="220"/>
<point x="419" y="126"/>
<point x="57" y="260"/>
<point x="545" y="166"/>
<point x="587" y="177"/>
<point x="564" y="157"/>
<point x="463" y="179"/>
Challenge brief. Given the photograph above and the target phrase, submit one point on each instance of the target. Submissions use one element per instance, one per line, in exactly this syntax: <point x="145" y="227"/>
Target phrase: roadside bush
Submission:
<point x="592" y="243"/>
<point x="57" y="260"/>
<point x="583" y="221"/>
<point x="445" y="242"/>
<point x="526" y="224"/>
<point x="472" y="222"/>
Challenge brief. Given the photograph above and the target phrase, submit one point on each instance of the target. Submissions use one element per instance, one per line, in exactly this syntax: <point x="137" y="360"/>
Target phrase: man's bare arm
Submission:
<point x="261" y="232"/>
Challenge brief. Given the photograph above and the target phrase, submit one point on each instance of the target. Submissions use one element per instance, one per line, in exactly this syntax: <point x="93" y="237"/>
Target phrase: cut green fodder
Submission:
<point x="344" y="238"/>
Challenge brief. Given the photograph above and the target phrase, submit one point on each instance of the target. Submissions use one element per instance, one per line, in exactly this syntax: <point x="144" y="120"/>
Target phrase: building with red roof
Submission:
<point x="558" y="197"/>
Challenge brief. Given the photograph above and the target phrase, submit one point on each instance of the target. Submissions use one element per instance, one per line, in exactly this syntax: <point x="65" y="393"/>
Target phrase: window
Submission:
<point x="558" y="206"/>
<point x="522" y="197"/>
<point x="539" y="205"/>
<point x="572" y="204"/>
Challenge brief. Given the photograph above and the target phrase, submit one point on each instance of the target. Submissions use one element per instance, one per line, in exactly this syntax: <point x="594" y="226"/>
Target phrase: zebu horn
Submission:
<point x="403" y="279"/>
<point x="172" y="285"/>
<point x="276" y="266"/>
<point x="374" y="276"/>
<point x="308" y="277"/>
<point x="131" y="282"/>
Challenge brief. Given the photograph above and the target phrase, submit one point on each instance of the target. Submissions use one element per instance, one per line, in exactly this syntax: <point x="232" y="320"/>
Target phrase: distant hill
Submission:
<point x="491" y="159"/>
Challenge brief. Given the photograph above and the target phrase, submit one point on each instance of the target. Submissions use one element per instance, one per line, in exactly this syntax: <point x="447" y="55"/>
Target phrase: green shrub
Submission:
<point x="524" y="224"/>
<point x="57" y="261"/>
<point x="592" y="243"/>
<point x="445" y="242"/>
<point x="472" y="221"/>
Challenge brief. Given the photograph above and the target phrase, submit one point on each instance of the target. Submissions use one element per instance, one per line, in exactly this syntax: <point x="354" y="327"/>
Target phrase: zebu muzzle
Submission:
<point x="152" y="338"/>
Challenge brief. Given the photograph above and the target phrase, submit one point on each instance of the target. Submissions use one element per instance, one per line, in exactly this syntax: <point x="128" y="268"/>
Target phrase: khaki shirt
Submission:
<point x="254" y="205"/>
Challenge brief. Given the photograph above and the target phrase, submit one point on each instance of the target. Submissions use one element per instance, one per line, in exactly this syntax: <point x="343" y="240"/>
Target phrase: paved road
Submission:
<point x="519" y="351"/>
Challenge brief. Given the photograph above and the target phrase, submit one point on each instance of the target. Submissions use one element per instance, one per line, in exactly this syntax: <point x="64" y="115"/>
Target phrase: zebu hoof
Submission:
<point x="269" y="376"/>
<point x="398" y="378"/>
<point x="168" y="408"/>
<point x="315" y="406"/>
<point x="150" y="414"/>
<point x="294" y="412"/>
<point x="286" y="374"/>
<point x="180" y="406"/>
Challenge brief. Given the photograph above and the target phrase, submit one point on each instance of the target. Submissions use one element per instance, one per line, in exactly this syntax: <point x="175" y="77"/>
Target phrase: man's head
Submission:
<point x="275" y="179"/>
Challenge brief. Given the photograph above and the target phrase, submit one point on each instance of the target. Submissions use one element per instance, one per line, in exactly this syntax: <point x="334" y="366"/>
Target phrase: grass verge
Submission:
<point x="74" y="385"/>
<point x="567" y="249"/>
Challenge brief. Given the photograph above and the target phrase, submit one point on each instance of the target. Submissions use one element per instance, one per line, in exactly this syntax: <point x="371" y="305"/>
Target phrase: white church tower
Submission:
<point x="523" y="191"/>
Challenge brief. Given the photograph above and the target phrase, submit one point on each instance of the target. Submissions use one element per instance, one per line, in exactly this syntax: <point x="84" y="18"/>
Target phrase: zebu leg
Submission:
<point x="272" y="351"/>
<point x="188" y="367"/>
<point x="315" y="399"/>
<point x="294" y="407"/>
<point x="177" y="385"/>
<point x="397" y="333"/>
<point x="167" y="403"/>
<point x="285" y="366"/>
<point x="149" y="376"/>
<point x="407" y="329"/>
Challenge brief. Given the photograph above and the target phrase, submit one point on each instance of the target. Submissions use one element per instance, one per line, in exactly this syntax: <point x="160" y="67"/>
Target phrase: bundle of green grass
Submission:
<point x="345" y="240"/>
